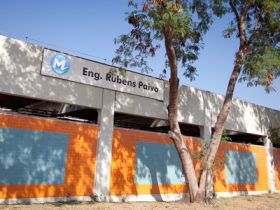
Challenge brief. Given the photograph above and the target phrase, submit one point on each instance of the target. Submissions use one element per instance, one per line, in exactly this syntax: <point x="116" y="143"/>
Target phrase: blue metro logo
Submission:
<point x="60" y="64"/>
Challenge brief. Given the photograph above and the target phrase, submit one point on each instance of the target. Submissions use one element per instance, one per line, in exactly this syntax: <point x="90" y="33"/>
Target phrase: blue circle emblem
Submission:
<point x="60" y="64"/>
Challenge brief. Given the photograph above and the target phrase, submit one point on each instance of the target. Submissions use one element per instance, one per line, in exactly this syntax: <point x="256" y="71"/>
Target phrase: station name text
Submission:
<point x="110" y="77"/>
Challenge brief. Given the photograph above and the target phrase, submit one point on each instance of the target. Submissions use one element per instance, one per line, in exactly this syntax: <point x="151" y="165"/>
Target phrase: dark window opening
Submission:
<point x="84" y="115"/>
<point x="41" y="108"/>
<point x="244" y="138"/>
<point x="13" y="103"/>
<point x="151" y="124"/>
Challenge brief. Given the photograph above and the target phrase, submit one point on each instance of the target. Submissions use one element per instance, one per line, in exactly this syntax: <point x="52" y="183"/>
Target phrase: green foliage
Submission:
<point x="261" y="63"/>
<point x="274" y="136"/>
<point x="186" y="21"/>
<point x="225" y="136"/>
<point x="219" y="163"/>
<point x="196" y="156"/>
<point x="117" y="71"/>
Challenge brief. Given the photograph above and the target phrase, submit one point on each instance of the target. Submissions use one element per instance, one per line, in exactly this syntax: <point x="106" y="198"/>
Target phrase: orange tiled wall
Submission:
<point x="81" y="154"/>
<point x="276" y="156"/>
<point x="124" y="157"/>
<point x="220" y="184"/>
<point x="80" y="159"/>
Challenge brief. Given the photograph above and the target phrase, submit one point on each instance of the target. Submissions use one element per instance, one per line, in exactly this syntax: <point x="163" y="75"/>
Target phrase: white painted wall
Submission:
<point x="104" y="146"/>
<point x="137" y="105"/>
<point x="245" y="117"/>
<point x="20" y="66"/>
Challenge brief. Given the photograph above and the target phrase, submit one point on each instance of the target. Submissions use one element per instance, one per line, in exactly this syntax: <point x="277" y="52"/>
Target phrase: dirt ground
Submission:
<point x="269" y="201"/>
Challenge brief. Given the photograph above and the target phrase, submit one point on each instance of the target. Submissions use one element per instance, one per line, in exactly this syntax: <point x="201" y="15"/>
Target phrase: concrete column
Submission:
<point x="104" y="146"/>
<point x="206" y="129"/>
<point x="270" y="165"/>
<point x="205" y="134"/>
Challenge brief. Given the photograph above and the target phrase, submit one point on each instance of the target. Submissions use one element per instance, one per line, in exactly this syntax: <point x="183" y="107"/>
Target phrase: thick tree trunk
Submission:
<point x="197" y="190"/>
<point x="208" y="159"/>
<point x="211" y="152"/>
<point x="175" y="132"/>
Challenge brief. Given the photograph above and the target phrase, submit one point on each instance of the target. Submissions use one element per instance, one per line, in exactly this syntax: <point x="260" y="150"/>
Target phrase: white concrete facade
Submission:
<point x="270" y="165"/>
<point x="20" y="65"/>
<point x="104" y="147"/>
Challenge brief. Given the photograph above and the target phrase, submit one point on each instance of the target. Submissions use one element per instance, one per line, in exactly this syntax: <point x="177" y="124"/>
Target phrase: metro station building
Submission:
<point x="75" y="129"/>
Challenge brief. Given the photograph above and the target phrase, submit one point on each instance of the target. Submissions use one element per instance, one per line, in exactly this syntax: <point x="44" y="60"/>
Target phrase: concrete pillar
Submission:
<point x="205" y="134"/>
<point x="206" y="129"/>
<point x="270" y="165"/>
<point x="104" y="146"/>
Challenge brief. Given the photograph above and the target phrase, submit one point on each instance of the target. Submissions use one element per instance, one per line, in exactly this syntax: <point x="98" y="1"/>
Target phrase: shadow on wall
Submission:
<point x="276" y="156"/>
<point x="235" y="119"/>
<point x="147" y="163"/>
<point x="240" y="168"/>
<point x="191" y="105"/>
<point x="158" y="164"/>
<point x="42" y="158"/>
<point x="20" y="66"/>
<point x="245" y="117"/>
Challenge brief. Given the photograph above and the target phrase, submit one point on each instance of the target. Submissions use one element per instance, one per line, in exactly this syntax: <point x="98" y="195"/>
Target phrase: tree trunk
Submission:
<point x="175" y="132"/>
<point x="211" y="152"/>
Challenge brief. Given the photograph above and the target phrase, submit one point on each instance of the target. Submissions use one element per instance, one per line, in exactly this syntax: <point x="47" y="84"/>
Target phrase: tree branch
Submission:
<point x="241" y="22"/>
<point x="242" y="32"/>
<point x="234" y="10"/>
<point x="246" y="8"/>
<point x="255" y="32"/>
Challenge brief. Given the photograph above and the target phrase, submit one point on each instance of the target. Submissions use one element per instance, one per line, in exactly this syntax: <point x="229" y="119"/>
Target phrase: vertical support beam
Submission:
<point x="104" y="146"/>
<point x="206" y="129"/>
<point x="270" y="165"/>
<point x="205" y="134"/>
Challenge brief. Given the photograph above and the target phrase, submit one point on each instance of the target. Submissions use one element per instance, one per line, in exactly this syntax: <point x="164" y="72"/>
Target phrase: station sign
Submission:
<point x="76" y="69"/>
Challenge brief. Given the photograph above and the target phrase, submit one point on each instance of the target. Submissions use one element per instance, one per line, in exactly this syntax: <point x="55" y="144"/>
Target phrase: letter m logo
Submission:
<point x="60" y="64"/>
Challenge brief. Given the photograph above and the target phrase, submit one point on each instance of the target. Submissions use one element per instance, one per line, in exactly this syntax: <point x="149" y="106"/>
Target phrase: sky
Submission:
<point x="88" y="28"/>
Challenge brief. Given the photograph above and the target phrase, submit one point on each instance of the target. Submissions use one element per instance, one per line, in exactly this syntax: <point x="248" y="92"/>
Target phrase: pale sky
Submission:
<point x="88" y="27"/>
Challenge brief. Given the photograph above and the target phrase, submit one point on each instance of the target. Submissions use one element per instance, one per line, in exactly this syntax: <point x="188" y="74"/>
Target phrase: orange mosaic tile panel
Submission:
<point x="124" y="163"/>
<point x="220" y="177"/>
<point x="276" y="156"/>
<point x="80" y="159"/>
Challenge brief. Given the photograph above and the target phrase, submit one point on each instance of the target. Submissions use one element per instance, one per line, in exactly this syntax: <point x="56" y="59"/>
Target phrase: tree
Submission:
<point x="256" y="24"/>
<point x="179" y="25"/>
<point x="171" y="24"/>
<point x="274" y="136"/>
